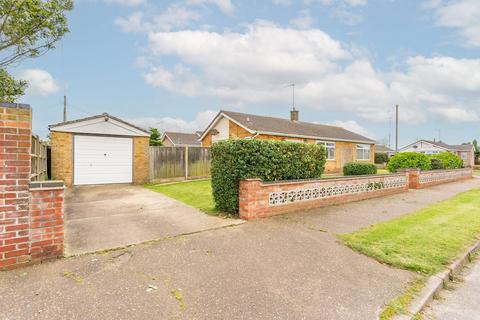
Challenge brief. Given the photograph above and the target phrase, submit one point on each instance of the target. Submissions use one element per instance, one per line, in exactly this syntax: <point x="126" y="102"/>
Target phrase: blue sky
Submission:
<point x="174" y="64"/>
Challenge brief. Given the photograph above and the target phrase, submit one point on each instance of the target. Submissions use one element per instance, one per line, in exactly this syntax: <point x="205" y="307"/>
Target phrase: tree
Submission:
<point x="155" y="137"/>
<point x="28" y="29"/>
<point x="476" y="151"/>
<point x="10" y="89"/>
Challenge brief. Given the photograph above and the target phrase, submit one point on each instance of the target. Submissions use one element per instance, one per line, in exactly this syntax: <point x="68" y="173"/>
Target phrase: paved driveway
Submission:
<point x="287" y="267"/>
<point x="111" y="216"/>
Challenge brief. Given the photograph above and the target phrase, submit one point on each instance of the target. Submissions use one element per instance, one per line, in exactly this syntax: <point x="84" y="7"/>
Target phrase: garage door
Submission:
<point x="101" y="160"/>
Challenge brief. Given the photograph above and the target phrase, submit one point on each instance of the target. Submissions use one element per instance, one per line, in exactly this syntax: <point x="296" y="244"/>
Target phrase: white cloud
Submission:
<point x="353" y="3"/>
<point x="462" y="15"/>
<point x="175" y="16"/>
<point x="304" y="20"/>
<point x="353" y="126"/>
<point x="130" y="3"/>
<point x="200" y="122"/>
<point x="455" y="114"/>
<point x="40" y="82"/>
<point x="255" y="65"/>
<point x="225" y="6"/>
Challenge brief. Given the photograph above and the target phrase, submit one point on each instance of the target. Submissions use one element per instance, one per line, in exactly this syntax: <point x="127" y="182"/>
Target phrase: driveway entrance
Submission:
<point x="112" y="216"/>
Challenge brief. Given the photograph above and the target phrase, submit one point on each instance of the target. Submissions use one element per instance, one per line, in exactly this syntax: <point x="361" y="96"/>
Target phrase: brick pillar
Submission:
<point x="413" y="176"/>
<point x="15" y="141"/>
<point x="247" y="197"/>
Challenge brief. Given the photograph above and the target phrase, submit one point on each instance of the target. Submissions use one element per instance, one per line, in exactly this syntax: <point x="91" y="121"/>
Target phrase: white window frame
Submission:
<point x="365" y="148"/>
<point x="328" y="146"/>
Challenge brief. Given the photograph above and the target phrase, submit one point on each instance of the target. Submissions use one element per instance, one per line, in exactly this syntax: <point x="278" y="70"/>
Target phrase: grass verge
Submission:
<point x="197" y="193"/>
<point x="425" y="241"/>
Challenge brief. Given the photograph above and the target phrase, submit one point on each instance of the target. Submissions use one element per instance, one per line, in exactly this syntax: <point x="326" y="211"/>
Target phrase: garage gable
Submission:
<point x="103" y="124"/>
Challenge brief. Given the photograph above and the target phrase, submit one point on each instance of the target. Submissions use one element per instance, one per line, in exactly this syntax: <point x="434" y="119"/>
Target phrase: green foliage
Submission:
<point x="381" y="157"/>
<point x="448" y="160"/>
<point x="436" y="164"/>
<point x="155" y="137"/>
<point x="359" y="168"/>
<point x="234" y="160"/>
<point x="29" y="28"/>
<point x="10" y="89"/>
<point x="476" y="151"/>
<point x="408" y="160"/>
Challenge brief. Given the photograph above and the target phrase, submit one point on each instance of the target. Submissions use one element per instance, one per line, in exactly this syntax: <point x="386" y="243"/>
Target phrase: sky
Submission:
<point x="173" y="64"/>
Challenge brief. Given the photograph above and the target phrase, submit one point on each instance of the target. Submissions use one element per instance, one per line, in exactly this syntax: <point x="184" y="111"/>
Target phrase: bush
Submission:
<point x="436" y="164"/>
<point x="234" y="160"/>
<point x="359" y="168"/>
<point x="381" y="158"/>
<point x="448" y="160"/>
<point x="407" y="160"/>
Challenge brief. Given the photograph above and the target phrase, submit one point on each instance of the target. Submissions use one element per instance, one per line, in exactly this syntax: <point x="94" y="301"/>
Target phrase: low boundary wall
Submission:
<point x="259" y="199"/>
<point x="31" y="214"/>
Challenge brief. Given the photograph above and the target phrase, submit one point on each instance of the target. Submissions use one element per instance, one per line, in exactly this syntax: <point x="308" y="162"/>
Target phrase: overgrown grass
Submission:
<point x="425" y="241"/>
<point x="196" y="193"/>
<point x="400" y="304"/>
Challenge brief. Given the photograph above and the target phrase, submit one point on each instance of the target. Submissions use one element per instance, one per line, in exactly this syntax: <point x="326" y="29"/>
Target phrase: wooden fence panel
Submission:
<point x="38" y="156"/>
<point x="175" y="163"/>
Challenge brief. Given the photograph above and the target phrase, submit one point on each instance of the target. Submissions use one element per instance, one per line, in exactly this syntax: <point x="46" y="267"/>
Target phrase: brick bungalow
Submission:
<point x="465" y="151"/>
<point x="342" y="145"/>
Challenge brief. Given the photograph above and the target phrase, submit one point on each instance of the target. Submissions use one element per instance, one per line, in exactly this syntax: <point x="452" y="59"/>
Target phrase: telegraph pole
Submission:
<point x="396" y="128"/>
<point x="64" y="108"/>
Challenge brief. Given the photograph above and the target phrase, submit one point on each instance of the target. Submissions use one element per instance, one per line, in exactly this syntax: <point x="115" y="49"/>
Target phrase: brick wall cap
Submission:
<point x="362" y="177"/>
<point x="408" y="170"/>
<point x="53" y="184"/>
<point x="252" y="179"/>
<point x="446" y="170"/>
<point x="14" y="105"/>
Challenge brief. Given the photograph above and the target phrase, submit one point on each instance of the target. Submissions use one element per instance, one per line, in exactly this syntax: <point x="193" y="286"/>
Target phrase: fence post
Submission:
<point x="186" y="162"/>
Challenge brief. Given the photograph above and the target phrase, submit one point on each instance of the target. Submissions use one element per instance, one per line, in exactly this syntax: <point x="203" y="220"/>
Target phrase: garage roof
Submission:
<point x="102" y="124"/>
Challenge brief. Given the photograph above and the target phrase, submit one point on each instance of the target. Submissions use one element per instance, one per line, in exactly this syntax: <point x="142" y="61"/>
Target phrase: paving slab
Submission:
<point x="461" y="301"/>
<point x="111" y="216"/>
<point x="287" y="267"/>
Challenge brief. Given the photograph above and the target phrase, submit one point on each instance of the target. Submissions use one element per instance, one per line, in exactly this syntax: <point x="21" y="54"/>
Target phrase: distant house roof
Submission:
<point x="288" y="128"/>
<point x="446" y="146"/>
<point x="182" y="139"/>
<point x="98" y="125"/>
<point x="382" y="148"/>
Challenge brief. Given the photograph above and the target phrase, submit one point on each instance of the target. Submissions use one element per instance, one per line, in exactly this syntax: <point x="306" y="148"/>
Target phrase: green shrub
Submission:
<point x="359" y="168"/>
<point x="234" y="160"/>
<point x="448" y="160"/>
<point x="436" y="164"/>
<point x="381" y="158"/>
<point x="407" y="160"/>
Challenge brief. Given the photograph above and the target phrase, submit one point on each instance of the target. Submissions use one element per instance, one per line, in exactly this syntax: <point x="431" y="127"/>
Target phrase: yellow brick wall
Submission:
<point x="62" y="153"/>
<point x="141" y="160"/>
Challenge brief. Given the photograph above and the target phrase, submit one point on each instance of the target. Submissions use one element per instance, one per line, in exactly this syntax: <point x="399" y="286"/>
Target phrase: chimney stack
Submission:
<point x="294" y="115"/>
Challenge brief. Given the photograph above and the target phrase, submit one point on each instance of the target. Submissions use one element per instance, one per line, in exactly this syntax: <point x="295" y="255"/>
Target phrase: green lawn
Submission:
<point x="196" y="193"/>
<point x="425" y="241"/>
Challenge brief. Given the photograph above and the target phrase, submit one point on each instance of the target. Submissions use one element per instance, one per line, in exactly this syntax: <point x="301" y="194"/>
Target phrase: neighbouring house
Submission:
<point x="464" y="151"/>
<point x="342" y="145"/>
<point x="180" y="139"/>
<point x="380" y="148"/>
<point x="99" y="150"/>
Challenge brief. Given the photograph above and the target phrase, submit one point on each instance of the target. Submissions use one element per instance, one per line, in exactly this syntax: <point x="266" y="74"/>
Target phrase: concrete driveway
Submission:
<point x="112" y="216"/>
<point x="286" y="267"/>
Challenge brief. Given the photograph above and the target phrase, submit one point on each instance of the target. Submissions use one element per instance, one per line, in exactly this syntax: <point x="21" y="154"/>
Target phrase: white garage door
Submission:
<point x="99" y="160"/>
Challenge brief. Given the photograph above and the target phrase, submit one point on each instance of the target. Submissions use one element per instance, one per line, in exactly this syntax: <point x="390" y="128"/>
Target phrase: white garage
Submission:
<point x="99" y="150"/>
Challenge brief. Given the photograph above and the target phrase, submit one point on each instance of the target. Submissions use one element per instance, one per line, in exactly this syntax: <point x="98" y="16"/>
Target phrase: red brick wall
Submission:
<point x="434" y="177"/>
<point x="258" y="199"/>
<point x="46" y="221"/>
<point x="31" y="215"/>
<point x="15" y="139"/>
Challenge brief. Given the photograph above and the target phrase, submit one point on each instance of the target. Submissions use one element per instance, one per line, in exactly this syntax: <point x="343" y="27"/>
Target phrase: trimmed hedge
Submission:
<point x="234" y="160"/>
<point x="359" y="168"/>
<point x="448" y="160"/>
<point x="437" y="164"/>
<point x="407" y="160"/>
<point x="381" y="157"/>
